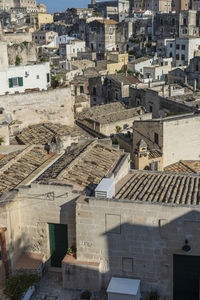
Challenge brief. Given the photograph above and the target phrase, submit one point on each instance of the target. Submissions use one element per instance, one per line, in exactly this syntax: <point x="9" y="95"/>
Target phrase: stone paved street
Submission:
<point x="50" y="288"/>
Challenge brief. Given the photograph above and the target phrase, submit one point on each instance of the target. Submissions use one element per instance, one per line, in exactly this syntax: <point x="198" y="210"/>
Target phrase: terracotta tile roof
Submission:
<point x="43" y="133"/>
<point x="154" y="154"/>
<point x="160" y="187"/>
<point x="184" y="166"/>
<point x="20" y="167"/>
<point x="85" y="165"/>
<point x="125" y="79"/>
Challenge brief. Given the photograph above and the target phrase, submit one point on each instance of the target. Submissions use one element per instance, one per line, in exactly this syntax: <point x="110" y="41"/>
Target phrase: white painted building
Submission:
<point x="61" y="39"/>
<point x="70" y="50"/>
<point x="138" y="64"/>
<point x="18" y="79"/>
<point x="182" y="50"/>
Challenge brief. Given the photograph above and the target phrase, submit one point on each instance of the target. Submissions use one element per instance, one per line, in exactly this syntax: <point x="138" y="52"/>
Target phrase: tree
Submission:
<point x="17" y="60"/>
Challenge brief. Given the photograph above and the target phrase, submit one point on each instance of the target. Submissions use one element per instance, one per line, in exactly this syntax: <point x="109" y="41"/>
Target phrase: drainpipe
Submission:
<point x="4" y="251"/>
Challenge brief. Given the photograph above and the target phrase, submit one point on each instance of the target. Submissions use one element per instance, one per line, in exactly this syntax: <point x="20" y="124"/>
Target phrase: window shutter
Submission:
<point x="20" y="80"/>
<point x="10" y="82"/>
<point x="48" y="77"/>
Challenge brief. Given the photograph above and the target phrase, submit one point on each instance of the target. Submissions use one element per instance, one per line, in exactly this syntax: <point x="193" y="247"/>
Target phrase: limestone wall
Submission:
<point x="34" y="107"/>
<point x="17" y="37"/>
<point x="26" y="51"/>
<point x="40" y="205"/>
<point x="125" y="124"/>
<point x="157" y="104"/>
<point x="181" y="140"/>
<point x="136" y="240"/>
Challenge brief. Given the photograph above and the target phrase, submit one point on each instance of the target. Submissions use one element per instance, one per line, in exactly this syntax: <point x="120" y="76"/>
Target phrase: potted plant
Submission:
<point x="153" y="296"/>
<point x="71" y="251"/>
<point x="86" y="295"/>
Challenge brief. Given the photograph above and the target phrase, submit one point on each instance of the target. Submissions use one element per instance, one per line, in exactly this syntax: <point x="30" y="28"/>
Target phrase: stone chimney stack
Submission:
<point x="195" y="85"/>
<point x="185" y="79"/>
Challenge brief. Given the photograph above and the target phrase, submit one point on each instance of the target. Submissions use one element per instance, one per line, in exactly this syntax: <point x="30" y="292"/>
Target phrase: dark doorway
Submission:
<point x="58" y="243"/>
<point x="186" y="271"/>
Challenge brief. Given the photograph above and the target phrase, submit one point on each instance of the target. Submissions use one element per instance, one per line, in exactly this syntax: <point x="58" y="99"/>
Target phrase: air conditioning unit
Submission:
<point x="124" y="289"/>
<point x="106" y="188"/>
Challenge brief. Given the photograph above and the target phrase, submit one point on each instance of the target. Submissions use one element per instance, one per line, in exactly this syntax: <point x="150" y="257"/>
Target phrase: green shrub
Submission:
<point x="25" y="43"/>
<point x="16" y="285"/>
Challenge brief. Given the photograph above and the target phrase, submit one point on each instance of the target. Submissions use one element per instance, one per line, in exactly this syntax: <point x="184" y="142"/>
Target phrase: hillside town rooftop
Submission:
<point x="43" y="133"/>
<point x="23" y="166"/>
<point x="184" y="166"/>
<point x="85" y="164"/>
<point x="159" y="187"/>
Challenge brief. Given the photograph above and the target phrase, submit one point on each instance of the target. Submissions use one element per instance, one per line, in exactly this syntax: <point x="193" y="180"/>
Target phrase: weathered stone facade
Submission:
<point x="35" y="107"/>
<point x="134" y="240"/>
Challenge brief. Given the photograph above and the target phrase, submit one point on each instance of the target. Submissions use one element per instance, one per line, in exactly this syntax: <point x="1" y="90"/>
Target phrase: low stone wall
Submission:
<point x="54" y="106"/>
<point x="80" y="275"/>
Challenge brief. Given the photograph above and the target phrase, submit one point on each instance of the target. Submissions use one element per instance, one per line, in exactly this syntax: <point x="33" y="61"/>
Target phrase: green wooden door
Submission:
<point x="58" y="243"/>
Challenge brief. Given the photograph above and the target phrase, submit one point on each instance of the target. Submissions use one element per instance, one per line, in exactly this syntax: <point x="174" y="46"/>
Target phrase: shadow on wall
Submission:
<point x="164" y="256"/>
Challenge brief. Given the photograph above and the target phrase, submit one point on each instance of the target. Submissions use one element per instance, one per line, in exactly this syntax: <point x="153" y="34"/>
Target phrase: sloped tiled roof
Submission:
<point x="160" y="187"/>
<point x="184" y="166"/>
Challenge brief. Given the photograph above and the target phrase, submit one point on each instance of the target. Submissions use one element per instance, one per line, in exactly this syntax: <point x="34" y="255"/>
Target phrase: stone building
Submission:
<point x="156" y="5"/>
<point x="30" y="5"/>
<point x="60" y="182"/>
<point x="102" y="35"/>
<point x="165" y="135"/>
<point x="117" y="87"/>
<point x="145" y="159"/>
<point x="166" y="25"/>
<point x="188" y="76"/>
<point x="44" y="37"/>
<point x="179" y="5"/>
<point x="158" y="105"/>
<point x="112" y="118"/>
<point x="71" y="49"/>
<point x="21" y="78"/>
<point x="147" y="233"/>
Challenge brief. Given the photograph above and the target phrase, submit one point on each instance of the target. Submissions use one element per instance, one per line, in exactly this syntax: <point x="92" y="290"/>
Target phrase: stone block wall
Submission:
<point x="54" y="106"/>
<point x="42" y="204"/>
<point x="135" y="240"/>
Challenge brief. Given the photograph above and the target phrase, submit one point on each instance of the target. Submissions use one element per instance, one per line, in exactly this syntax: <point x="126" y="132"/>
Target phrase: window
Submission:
<point x="15" y="81"/>
<point x="170" y="55"/>
<point x="154" y="166"/>
<point x="48" y="77"/>
<point x="151" y="108"/>
<point x="183" y="57"/>
<point x="94" y="91"/>
<point x="81" y="89"/>
<point x="38" y="76"/>
<point x="184" y="21"/>
<point x="183" y="47"/>
<point x="127" y="264"/>
<point x="177" y="56"/>
<point x="177" y="46"/>
<point x="156" y="138"/>
<point x="197" y="67"/>
<point x="171" y="45"/>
